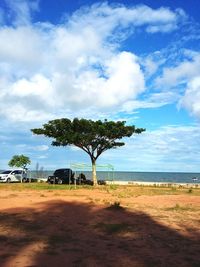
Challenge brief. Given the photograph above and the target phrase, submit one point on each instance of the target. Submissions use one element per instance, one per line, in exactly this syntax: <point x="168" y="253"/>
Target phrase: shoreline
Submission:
<point x="146" y="183"/>
<point x="159" y="184"/>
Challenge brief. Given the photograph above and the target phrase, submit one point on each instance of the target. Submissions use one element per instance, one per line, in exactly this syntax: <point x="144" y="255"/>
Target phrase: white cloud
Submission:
<point x="122" y="79"/>
<point x="20" y="113"/>
<point x="41" y="148"/>
<point x="183" y="81"/>
<point x="26" y="147"/>
<point x="180" y="74"/>
<point x="59" y="69"/>
<point x="29" y="49"/>
<point x="161" y="28"/>
<point x="20" y="10"/>
<point x="154" y="100"/>
<point x="150" y="66"/>
<point x="170" y="148"/>
<point x="36" y="86"/>
<point x="123" y="17"/>
<point x="43" y="157"/>
<point x="191" y="99"/>
<point x="74" y="148"/>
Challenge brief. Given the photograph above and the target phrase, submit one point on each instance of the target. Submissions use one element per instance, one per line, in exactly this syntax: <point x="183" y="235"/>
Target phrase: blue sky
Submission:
<point x="136" y="61"/>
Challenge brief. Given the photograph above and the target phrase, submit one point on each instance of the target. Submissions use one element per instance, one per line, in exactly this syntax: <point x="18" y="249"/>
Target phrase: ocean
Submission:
<point x="166" y="177"/>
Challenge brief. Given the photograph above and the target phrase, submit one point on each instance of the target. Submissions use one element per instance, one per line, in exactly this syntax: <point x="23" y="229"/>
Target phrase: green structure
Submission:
<point x="81" y="167"/>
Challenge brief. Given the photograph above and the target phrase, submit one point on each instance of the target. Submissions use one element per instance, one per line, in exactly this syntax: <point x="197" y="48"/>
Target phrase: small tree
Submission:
<point x="93" y="137"/>
<point x="19" y="161"/>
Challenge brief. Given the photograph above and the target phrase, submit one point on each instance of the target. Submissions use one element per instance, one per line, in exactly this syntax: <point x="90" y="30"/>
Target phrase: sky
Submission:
<point x="137" y="61"/>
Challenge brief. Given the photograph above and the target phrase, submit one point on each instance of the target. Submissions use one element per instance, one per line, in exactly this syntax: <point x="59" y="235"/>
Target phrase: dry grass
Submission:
<point x="114" y="190"/>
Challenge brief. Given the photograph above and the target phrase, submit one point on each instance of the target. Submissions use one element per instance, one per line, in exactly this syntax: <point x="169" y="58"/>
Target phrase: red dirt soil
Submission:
<point x="82" y="229"/>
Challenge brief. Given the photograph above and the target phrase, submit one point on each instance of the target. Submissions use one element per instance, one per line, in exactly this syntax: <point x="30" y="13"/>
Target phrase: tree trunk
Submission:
<point x="22" y="176"/>
<point x="94" y="173"/>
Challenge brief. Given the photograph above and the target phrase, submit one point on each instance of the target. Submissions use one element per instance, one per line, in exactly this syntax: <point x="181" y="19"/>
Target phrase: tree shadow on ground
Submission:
<point x="59" y="233"/>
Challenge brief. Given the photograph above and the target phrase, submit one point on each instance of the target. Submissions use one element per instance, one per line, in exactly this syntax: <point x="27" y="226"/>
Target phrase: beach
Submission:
<point x="159" y="184"/>
<point x="44" y="225"/>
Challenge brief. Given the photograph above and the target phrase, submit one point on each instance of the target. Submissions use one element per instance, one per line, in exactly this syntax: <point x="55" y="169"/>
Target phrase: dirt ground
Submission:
<point x="89" y="228"/>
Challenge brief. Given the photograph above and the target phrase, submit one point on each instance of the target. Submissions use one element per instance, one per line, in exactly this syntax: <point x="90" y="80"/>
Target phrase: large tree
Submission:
<point x="93" y="137"/>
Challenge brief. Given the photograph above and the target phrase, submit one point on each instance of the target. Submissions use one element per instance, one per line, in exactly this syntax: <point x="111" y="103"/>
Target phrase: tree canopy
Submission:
<point x="19" y="161"/>
<point x="93" y="137"/>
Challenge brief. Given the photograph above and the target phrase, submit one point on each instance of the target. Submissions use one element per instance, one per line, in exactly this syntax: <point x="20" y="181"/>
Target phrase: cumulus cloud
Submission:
<point x="150" y="66"/>
<point x="20" y="10"/>
<point x="29" y="148"/>
<point x="169" y="148"/>
<point x="41" y="148"/>
<point x="121" y="16"/>
<point x="57" y="69"/>
<point x="180" y="74"/>
<point x="191" y="98"/>
<point x="154" y="100"/>
<point x="183" y="80"/>
<point x="122" y="79"/>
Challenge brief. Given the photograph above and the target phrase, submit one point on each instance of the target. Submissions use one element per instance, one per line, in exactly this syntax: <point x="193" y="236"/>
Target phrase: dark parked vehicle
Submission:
<point x="66" y="176"/>
<point x="61" y="176"/>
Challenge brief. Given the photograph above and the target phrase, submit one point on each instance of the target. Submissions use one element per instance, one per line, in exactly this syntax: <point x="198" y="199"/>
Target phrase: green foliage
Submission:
<point x="93" y="137"/>
<point x="19" y="161"/>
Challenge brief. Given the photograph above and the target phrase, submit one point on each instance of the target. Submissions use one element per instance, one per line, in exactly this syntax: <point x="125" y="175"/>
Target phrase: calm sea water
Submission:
<point x="171" y="177"/>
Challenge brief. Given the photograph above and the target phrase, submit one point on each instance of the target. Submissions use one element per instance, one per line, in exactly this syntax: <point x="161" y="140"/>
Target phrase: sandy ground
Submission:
<point x="98" y="228"/>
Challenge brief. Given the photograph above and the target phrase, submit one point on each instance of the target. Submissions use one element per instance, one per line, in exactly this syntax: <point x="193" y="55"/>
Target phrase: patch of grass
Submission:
<point x="13" y="195"/>
<point x="3" y="238"/>
<point x="51" y="252"/>
<point x="123" y="194"/>
<point x="23" y="240"/>
<point x="16" y="220"/>
<point x="177" y="207"/>
<point x="42" y="195"/>
<point x="59" y="239"/>
<point x="119" y="191"/>
<point x="115" y="206"/>
<point x="42" y="186"/>
<point x="7" y="255"/>
<point x="113" y="187"/>
<point x="173" y="188"/>
<point x="112" y="228"/>
<point x="57" y="194"/>
<point x="9" y="196"/>
<point x="78" y="262"/>
<point x="96" y="200"/>
<point x="134" y="191"/>
<point x="34" y="226"/>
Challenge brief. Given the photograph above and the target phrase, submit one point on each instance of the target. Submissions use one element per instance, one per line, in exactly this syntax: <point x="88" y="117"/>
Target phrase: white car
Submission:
<point x="13" y="176"/>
